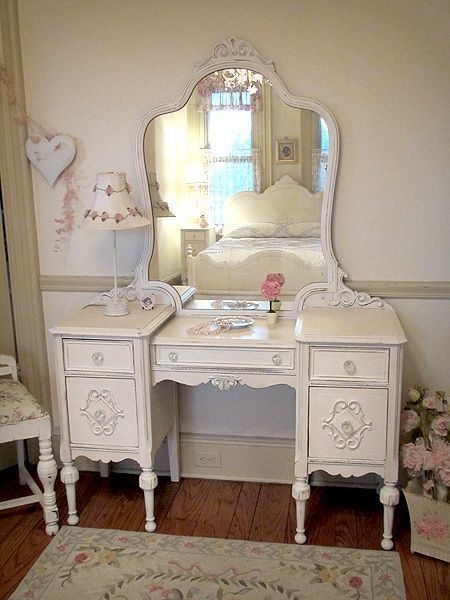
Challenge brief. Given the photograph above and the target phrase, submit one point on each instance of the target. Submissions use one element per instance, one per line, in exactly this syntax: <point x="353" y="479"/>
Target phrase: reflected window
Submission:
<point x="230" y="163"/>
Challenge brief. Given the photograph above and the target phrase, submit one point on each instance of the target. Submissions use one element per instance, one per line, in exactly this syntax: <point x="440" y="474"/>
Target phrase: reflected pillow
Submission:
<point x="310" y="229"/>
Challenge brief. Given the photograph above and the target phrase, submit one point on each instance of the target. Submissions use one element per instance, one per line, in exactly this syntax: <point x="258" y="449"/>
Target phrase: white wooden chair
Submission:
<point x="23" y="418"/>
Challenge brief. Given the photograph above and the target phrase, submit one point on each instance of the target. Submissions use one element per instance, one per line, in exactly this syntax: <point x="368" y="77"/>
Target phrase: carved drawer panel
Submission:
<point x="102" y="412"/>
<point x="352" y="364"/>
<point x="256" y="358"/>
<point x="347" y="424"/>
<point x="98" y="357"/>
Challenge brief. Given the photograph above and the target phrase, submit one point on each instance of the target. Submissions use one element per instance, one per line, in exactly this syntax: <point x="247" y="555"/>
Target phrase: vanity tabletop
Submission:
<point x="90" y="320"/>
<point x="259" y="333"/>
<point x="350" y="325"/>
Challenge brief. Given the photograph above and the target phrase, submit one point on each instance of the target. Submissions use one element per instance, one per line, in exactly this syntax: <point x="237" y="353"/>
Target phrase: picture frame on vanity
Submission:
<point x="286" y="151"/>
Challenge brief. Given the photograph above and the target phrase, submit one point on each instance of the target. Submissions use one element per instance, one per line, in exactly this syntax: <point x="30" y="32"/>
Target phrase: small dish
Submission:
<point x="235" y="322"/>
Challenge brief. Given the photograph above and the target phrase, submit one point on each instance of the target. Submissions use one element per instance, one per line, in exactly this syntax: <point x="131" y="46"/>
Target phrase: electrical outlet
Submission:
<point x="207" y="459"/>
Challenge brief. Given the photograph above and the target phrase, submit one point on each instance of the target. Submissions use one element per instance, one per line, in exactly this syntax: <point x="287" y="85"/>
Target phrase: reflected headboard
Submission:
<point x="284" y="202"/>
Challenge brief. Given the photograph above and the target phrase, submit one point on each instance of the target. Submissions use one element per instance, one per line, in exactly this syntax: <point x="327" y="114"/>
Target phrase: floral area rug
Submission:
<point x="83" y="564"/>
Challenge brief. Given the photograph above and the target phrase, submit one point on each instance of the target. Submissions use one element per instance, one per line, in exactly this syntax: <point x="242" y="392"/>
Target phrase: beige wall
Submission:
<point x="93" y="68"/>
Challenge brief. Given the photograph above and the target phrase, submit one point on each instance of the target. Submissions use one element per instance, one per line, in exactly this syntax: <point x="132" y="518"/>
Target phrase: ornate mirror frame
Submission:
<point x="237" y="53"/>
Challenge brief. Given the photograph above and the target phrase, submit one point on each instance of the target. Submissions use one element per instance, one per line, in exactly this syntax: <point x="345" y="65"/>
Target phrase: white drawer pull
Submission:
<point x="173" y="356"/>
<point x="97" y="357"/>
<point x="276" y="359"/>
<point x="350" y="367"/>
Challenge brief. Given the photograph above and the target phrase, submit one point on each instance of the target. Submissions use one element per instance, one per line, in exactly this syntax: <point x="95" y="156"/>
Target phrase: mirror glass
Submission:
<point x="240" y="177"/>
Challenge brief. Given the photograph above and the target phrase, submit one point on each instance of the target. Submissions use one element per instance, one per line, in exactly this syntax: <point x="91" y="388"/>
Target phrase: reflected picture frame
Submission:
<point x="286" y="151"/>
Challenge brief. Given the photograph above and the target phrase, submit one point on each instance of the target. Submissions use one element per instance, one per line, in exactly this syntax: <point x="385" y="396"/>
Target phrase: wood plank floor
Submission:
<point x="226" y="509"/>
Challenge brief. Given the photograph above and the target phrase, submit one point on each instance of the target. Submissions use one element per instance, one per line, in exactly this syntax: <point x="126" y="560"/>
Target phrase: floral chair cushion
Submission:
<point x="17" y="404"/>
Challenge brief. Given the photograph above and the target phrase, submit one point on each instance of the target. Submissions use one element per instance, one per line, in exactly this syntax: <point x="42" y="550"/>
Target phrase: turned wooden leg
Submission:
<point x="300" y="492"/>
<point x="47" y="471"/>
<point x="147" y="482"/>
<point x="389" y="497"/>
<point x="69" y="476"/>
<point x="173" y="438"/>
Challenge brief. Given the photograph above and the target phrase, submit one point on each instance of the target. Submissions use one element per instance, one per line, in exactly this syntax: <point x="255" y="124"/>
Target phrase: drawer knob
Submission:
<point x="173" y="356"/>
<point x="350" y="367"/>
<point x="97" y="357"/>
<point x="276" y="359"/>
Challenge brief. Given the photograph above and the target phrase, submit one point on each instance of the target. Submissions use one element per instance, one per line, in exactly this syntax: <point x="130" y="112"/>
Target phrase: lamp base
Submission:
<point x="116" y="307"/>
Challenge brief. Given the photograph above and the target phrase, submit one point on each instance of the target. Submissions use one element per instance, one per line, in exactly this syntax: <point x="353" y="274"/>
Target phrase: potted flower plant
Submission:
<point x="270" y="289"/>
<point x="425" y="455"/>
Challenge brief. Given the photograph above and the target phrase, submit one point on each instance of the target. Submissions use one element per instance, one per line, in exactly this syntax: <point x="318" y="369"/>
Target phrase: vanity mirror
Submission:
<point x="248" y="170"/>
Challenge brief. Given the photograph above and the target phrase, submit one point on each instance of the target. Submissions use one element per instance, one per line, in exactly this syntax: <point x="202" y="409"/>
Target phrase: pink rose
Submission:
<point x="409" y="420"/>
<point x="276" y="277"/>
<point x="440" y="425"/>
<point x="413" y="456"/>
<point x="270" y="289"/>
<point x="430" y="402"/>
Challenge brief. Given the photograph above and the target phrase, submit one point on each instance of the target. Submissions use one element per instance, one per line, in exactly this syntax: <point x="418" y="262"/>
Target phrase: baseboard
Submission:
<point x="238" y="458"/>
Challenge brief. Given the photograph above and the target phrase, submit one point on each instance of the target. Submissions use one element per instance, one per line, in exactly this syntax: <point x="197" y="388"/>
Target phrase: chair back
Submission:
<point x="8" y="366"/>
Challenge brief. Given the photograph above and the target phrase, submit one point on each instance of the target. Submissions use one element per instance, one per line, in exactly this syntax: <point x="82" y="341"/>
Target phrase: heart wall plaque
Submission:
<point x="51" y="156"/>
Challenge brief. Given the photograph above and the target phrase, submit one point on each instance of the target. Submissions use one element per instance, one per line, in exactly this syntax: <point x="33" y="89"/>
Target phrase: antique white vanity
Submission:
<point x="340" y="350"/>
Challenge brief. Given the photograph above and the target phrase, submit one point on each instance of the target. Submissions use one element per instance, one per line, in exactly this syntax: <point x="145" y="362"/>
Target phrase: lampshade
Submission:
<point x="112" y="208"/>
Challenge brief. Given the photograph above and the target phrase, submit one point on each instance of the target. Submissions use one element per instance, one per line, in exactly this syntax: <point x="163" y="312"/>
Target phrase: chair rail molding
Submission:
<point x="385" y="289"/>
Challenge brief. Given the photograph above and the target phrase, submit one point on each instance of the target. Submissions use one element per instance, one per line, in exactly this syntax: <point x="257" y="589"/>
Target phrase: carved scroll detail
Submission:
<point x="349" y="297"/>
<point x="346" y="297"/>
<point x="225" y="382"/>
<point x="237" y="49"/>
<point x="102" y="412"/>
<point x="346" y="424"/>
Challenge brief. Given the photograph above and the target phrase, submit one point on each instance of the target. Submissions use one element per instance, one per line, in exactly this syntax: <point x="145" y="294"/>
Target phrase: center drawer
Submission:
<point x="261" y="358"/>
<point x="352" y="364"/>
<point x="98" y="356"/>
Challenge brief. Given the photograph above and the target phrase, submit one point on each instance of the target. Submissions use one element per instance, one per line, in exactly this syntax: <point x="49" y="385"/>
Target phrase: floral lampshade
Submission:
<point x="113" y="208"/>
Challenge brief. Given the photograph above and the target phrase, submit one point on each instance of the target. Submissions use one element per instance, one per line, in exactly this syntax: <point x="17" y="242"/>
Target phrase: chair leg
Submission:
<point x="47" y="470"/>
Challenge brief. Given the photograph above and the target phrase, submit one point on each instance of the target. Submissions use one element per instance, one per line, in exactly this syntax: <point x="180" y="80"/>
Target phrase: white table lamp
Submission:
<point x="113" y="210"/>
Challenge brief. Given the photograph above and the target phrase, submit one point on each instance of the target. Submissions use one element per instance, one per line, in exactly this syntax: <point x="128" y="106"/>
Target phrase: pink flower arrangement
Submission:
<point x="425" y="437"/>
<point x="271" y="287"/>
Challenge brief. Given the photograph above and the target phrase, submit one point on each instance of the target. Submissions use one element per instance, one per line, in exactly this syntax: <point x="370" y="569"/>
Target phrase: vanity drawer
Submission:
<point x="102" y="412"/>
<point x="98" y="356"/>
<point x="224" y="358"/>
<point x="352" y="364"/>
<point x="347" y="424"/>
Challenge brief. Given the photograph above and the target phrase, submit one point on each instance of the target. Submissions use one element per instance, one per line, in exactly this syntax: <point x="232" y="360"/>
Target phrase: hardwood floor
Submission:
<point x="226" y="509"/>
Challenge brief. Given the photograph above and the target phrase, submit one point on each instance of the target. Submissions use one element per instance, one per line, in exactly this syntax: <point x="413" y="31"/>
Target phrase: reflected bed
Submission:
<point x="276" y="231"/>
